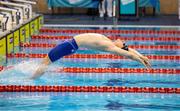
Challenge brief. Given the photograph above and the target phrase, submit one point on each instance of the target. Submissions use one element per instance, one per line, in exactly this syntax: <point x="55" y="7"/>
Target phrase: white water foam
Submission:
<point x="26" y="67"/>
<point x="20" y="73"/>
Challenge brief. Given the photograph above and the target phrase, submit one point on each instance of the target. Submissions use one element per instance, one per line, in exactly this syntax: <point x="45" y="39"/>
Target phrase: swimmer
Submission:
<point x="93" y="41"/>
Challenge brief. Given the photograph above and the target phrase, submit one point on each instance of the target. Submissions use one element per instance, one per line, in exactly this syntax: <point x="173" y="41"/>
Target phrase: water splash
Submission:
<point x="27" y="67"/>
<point x="19" y="73"/>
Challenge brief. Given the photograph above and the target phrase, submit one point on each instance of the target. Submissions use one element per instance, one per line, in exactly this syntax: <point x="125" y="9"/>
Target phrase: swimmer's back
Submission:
<point x="89" y="38"/>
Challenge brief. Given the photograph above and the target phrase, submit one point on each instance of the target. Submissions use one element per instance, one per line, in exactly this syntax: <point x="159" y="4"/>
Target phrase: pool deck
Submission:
<point x="164" y="20"/>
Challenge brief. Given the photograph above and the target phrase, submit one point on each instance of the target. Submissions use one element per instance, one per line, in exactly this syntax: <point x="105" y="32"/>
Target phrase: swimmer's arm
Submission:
<point x="128" y="54"/>
<point x="42" y="68"/>
<point x="135" y="52"/>
<point x="121" y="52"/>
<point x="144" y="58"/>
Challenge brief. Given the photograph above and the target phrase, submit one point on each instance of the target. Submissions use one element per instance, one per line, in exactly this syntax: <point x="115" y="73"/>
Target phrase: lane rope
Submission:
<point x="165" y="39"/>
<point x="102" y="89"/>
<point x="109" y="70"/>
<point x="92" y="56"/>
<point x="134" y="32"/>
<point x="148" y="47"/>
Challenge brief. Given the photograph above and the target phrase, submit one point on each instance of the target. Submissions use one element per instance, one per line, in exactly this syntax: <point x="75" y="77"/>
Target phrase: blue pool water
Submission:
<point x="88" y="102"/>
<point x="23" y="69"/>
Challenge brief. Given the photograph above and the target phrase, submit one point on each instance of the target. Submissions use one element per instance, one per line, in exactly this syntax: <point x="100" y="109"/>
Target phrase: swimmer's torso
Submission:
<point x="93" y="40"/>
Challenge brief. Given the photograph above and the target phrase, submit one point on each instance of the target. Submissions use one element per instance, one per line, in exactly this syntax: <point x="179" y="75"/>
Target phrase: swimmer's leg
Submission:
<point x="41" y="68"/>
<point x="61" y="50"/>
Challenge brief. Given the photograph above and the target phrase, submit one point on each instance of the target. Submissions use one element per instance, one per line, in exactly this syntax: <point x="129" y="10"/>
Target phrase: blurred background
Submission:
<point x="149" y="12"/>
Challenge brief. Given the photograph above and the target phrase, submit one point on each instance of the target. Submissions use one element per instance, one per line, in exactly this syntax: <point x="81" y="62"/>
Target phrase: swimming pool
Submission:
<point x="94" y="80"/>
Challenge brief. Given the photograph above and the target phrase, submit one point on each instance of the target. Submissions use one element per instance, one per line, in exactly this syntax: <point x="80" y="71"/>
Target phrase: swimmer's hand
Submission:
<point x="142" y="59"/>
<point x="146" y="61"/>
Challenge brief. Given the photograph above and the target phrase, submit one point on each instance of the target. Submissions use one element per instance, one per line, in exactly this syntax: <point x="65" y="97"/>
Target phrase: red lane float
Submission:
<point x="102" y="89"/>
<point x="146" y="32"/>
<point x="93" y="56"/>
<point x="24" y="55"/>
<point x="148" y="47"/>
<point x="119" y="70"/>
<point x="165" y="39"/>
<point x="1" y="68"/>
<point x="110" y="70"/>
<point x="5" y="68"/>
<point x="41" y="45"/>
